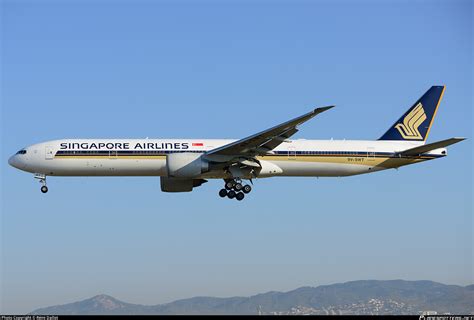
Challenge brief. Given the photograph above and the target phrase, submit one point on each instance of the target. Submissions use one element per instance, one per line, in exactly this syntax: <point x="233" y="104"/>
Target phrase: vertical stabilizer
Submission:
<point x="416" y="123"/>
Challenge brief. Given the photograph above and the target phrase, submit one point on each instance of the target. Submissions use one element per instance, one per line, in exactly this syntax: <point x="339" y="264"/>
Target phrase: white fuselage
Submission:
<point x="147" y="157"/>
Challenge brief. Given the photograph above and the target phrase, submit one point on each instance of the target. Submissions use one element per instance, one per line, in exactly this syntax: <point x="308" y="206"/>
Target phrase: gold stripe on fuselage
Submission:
<point x="376" y="161"/>
<point x="384" y="162"/>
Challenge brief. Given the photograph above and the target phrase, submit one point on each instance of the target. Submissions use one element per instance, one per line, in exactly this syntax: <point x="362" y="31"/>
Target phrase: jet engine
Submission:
<point x="179" y="184"/>
<point x="186" y="165"/>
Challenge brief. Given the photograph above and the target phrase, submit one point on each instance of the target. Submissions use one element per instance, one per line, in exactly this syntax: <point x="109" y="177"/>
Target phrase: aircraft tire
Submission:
<point x="44" y="189"/>
<point x="247" y="188"/>
<point x="231" y="194"/>
<point x="223" y="193"/>
<point x="240" y="196"/>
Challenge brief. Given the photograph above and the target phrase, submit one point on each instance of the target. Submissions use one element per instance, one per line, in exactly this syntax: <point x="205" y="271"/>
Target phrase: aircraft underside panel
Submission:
<point x="322" y="169"/>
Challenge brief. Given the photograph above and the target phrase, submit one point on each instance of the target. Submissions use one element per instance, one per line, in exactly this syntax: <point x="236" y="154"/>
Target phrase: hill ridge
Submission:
<point x="352" y="297"/>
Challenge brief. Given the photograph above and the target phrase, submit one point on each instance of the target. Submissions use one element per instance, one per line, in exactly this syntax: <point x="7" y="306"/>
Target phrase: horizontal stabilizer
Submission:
<point x="431" y="146"/>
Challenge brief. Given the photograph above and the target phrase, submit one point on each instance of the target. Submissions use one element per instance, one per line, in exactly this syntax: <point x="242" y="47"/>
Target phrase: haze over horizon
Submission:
<point x="135" y="69"/>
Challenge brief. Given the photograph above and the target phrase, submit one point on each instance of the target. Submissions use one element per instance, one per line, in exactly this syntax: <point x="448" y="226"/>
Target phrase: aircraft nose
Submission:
<point x="14" y="162"/>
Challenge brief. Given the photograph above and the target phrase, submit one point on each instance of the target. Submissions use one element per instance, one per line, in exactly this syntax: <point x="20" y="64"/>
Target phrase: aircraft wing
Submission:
<point x="430" y="146"/>
<point x="263" y="142"/>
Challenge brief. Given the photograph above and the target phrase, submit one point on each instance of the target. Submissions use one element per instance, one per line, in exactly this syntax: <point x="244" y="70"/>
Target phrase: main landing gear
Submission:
<point x="235" y="189"/>
<point x="42" y="179"/>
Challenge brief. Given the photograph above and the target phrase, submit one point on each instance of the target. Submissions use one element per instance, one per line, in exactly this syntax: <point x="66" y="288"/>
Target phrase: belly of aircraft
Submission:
<point x="320" y="169"/>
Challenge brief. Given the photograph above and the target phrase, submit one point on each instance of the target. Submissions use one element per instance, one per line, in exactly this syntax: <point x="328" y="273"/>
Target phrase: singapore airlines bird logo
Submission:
<point x="409" y="128"/>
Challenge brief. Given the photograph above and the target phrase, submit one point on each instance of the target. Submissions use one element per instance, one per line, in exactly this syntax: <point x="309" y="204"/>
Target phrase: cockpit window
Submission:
<point x="21" y="152"/>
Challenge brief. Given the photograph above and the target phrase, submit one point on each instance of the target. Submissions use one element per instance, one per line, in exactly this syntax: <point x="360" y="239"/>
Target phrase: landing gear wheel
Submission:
<point x="223" y="193"/>
<point x="238" y="187"/>
<point x="240" y="196"/>
<point x="229" y="185"/>
<point x="44" y="189"/>
<point x="247" y="188"/>
<point x="231" y="194"/>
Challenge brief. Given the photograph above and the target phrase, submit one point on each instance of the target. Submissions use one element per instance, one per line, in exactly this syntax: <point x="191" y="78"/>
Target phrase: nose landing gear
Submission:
<point x="235" y="189"/>
<point x="42" y="179"/>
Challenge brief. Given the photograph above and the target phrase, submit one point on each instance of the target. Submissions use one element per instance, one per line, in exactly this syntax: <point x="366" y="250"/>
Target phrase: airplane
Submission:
<point x="184" y="164"/>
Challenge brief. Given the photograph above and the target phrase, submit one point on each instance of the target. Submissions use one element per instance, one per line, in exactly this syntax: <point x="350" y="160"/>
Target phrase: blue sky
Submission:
<point x="208" y="69"/>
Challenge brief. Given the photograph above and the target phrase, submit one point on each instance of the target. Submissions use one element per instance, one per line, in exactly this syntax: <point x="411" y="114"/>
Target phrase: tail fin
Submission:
<point x="416" y="123"/>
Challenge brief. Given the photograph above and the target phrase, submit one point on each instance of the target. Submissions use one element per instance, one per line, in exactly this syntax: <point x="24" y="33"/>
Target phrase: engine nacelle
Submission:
<point x="185" y="165"/>
<point x="179" y="184"/>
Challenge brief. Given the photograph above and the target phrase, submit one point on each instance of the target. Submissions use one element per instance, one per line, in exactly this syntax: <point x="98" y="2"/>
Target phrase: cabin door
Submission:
<point x="370" y="154"/>
<point x="291" y="153"/>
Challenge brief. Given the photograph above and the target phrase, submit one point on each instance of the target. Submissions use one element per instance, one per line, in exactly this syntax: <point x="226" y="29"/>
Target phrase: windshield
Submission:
<point x="22" y="151"/>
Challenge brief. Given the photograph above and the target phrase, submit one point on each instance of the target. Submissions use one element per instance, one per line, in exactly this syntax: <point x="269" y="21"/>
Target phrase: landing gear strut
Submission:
<point x="42" y="179"/>
<point x="235" y="189"/>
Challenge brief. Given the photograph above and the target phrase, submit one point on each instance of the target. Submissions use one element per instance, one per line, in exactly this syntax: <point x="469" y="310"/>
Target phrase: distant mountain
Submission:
<point x="355" y="297"/>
